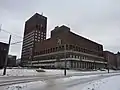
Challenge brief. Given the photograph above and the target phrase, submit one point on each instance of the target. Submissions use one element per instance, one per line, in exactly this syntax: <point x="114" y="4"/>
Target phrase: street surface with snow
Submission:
<point x="29" y="79"/>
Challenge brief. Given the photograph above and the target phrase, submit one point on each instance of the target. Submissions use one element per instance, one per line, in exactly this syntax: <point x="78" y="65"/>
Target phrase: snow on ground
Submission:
<point x="75" y="78"/>
<point x="45" y="85"/>
<point x="25" y="86"/>
<point x="111" y="83"/>
<point x="69" y="71"/>
<point x="20" y="72"/>
<point x="33" y="72"/>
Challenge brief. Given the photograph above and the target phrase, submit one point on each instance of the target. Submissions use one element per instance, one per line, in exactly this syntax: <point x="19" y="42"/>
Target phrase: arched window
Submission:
<point x="53" y="49"/>
<point x="56" y="49"/>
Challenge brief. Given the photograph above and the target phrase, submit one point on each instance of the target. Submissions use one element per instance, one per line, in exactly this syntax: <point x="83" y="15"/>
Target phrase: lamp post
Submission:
<point x="59" y="42"/>
<point x="108" y="65"/>
<point x="6" y="59"/>
<point x="31" y="56"/>
<point x="65" y="59"/>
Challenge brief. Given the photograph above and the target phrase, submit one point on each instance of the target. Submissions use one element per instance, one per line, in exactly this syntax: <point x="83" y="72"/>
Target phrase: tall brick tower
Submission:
<point x="34" y="32"/>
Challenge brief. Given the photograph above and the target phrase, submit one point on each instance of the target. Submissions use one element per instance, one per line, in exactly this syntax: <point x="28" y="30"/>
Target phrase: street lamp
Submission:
<point x="59" y="42"/>
<point x="6" y="59"/>
<point x="65" y="59"/>
<point x="31" y="56"/>
<point x="108" y="65"/>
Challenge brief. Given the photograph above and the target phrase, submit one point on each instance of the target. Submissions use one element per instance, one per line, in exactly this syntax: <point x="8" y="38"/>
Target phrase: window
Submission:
<point x="70" y="56"/>
<point x="4" y="49"/>
<point x="76" y="56"/>
<point x="73" y="56"/>
<point x="35" y="39"/>
<point x="53" y="49"/>
<point x="84" y="57"/>
<point x="41" y="26"/>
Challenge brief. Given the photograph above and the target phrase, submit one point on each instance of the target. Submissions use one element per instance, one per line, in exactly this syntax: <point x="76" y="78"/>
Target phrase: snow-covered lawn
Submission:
<point x="111" y="83"/>
<point x="20" y="72"/>
<point x="33" y="72"/>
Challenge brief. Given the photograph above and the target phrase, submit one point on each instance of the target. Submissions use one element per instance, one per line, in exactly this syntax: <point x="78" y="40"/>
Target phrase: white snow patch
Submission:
<point x="39" y="85"/>
<point x="75" y="78"/>
<point x="33" y="72"/>
<point x="25" y="86"/>
<point x="111" y="83"/>
<point x="20" y="72"/>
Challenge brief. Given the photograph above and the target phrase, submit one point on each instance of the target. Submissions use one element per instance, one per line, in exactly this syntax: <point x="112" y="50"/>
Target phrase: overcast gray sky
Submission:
<point x="98" y="20"/>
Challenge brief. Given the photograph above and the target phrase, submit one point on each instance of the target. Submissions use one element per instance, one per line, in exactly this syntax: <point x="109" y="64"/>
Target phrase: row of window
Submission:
<point x="27" y="42"/>
<point x="27" y="45"/>
<point x="3" y="49"/>
<point x="36" y="32"/>
<point x="39" y="33"/>
<point x="69" y="47"/>
<point x="27" y="49"/>
<point x="40" y="37"/>
<point x="31" y="38"/>
<point x="29" y="34"/>
<point x="60" y="56"/>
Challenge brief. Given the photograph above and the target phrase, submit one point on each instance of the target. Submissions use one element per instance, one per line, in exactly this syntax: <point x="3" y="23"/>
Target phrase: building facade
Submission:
<point x="118" y="60"/>
<point x="64" y="45"/>
<point x="11" y="61"/>
<point x="3" y="53"/>
<point x="34" y="32"/>
<point x="111" y="59"/>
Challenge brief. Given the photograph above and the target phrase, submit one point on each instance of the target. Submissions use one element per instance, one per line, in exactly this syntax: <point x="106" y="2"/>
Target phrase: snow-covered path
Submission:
<point x="29" y="79"/>
<point x="9" y="80"/>
<point x="69" y="83"/>
<point x="109" y="83"/>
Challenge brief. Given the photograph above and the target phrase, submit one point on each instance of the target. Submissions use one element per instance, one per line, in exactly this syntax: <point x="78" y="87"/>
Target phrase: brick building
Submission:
<point x="78" y="51"/>
<point x="3" y="52"/>
<point x="118" y="60"/>
<point x="11" y="61"/>
<point x="34" y="32"/>
<point x="111" y="59"/>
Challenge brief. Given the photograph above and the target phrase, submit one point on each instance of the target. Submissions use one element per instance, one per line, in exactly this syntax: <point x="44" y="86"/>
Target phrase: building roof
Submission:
<point x="1" y="43"/>
<point x="37" y="16"/>
<point x="68" y="37"/>
<point x="84" y="38"/>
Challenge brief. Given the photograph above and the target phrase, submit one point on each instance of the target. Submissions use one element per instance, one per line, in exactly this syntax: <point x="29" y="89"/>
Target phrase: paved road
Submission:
<point x="71" y="84"/>
<point x="24" y="79"/>
<point x="55" y="82"/>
